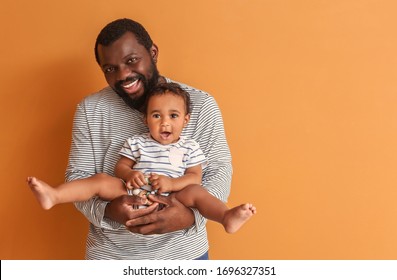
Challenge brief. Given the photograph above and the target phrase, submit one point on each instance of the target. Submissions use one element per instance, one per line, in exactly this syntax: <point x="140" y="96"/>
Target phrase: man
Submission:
<point x="128" y="57"/>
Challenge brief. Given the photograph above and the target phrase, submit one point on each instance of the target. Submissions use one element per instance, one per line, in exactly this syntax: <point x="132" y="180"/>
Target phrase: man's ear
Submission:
<point x="154" y="52"/>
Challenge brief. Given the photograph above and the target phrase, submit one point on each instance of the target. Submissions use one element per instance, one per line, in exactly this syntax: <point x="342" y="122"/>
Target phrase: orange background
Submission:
<point x="308" y="94"/>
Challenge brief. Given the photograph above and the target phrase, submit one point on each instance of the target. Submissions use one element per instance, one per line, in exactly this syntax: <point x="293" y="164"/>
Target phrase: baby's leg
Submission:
<point x="234" y="218"/>
<point x="44" y="193"/>
<point x="214" y="209"/>
<point x="102" y="185"/>
<point x="105" y="186"/>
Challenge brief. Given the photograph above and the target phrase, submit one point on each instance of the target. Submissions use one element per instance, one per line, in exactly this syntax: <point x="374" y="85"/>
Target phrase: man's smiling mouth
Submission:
<point x="130" y="84"/>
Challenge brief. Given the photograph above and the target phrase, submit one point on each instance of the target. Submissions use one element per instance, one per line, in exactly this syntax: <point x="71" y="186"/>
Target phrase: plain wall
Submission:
<point x="308" y="94"/>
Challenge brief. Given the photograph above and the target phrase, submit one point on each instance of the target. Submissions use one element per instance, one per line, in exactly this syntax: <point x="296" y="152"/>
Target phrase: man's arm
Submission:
<point x="81" y="165"/>
<point x="210" y="134"/>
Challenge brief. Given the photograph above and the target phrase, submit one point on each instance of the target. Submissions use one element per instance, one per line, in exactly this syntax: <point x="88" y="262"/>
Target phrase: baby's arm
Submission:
<point x="166" y="184"/>
<point x="132" y="178"/>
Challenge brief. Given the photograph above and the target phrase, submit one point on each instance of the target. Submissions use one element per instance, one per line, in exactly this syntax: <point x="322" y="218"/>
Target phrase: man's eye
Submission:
<point x="132" y="60"/>
<point x="108" y="70"/>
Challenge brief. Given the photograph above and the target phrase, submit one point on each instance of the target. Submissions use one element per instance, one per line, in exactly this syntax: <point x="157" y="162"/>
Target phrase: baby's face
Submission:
<point x="166" y="117"/>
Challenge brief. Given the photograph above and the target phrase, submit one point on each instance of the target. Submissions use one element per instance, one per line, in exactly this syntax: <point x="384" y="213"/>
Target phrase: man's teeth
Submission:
<point x="130" y="84"/>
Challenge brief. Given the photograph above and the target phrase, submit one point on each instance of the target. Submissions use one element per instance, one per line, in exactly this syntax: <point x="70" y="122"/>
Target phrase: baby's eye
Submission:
<point x="174" y="116"/>
<point x="156" y="116"/>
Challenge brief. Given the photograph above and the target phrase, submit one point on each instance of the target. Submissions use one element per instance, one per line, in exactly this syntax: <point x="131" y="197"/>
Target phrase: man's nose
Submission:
<point x="123" y="73"/>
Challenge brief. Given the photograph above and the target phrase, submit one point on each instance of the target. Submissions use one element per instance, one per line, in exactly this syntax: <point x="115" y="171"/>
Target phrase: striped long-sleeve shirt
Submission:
<point x="102" y="123"/>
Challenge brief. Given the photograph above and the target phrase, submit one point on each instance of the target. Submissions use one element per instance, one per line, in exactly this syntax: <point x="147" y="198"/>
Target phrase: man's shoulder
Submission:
<point x="103" y="98"/>
<point x="194" y="92"/>
<point x="105" y="93"/>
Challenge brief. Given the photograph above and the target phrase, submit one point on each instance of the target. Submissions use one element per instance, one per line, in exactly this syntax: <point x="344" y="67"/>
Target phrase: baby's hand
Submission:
<point x="136" y="179"/>
<point x="160" y="183"/>
<point x="144" y="195"/>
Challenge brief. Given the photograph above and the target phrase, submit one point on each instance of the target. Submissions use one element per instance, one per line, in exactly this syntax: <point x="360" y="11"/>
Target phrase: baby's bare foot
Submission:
<point x="237" y="216"/>
<point x="42" y="191"/>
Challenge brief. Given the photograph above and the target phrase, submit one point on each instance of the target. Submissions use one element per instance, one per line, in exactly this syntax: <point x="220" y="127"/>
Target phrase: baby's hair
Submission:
<point x="173" y="88"/>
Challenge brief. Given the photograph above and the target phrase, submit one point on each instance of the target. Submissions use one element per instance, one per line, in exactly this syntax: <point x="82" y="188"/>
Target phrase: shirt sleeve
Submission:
<point x="130" y="149"/>
<point x="82" y="165"/>
<point x="196" y="155"/>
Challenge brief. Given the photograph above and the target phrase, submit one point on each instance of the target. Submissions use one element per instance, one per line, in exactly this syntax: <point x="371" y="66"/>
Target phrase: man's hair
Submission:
<point x="115" y="29"/>
<point x="173" y="88"/>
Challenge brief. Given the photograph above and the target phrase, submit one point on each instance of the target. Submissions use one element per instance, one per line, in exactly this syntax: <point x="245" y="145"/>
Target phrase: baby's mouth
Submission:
<point x="165" y="134"/>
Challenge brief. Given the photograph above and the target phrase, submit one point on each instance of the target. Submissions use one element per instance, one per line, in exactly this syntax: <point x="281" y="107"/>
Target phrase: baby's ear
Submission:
<point x="187" y="119"/>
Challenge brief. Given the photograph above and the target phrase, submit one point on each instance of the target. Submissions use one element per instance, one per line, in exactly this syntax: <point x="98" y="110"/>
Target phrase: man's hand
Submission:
<point x="121" y="209"/>
<point x="174" y="216"/>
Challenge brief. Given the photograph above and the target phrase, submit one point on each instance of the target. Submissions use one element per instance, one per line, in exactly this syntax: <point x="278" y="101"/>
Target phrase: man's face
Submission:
<point x="129" y="69"/>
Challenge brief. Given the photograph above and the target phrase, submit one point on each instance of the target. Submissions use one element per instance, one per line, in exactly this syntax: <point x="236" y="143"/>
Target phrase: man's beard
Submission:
<point x="148" y="84"/>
